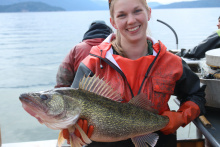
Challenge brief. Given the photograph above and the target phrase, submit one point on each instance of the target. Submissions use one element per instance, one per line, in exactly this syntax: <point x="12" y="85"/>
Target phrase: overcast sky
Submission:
<point x="167" y="1"/>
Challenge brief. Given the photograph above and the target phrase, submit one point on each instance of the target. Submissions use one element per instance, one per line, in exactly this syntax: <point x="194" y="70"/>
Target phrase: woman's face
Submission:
<point x="130" y="18"/>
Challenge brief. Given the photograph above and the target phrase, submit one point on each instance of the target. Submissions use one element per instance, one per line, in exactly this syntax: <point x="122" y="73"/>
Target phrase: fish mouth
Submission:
<point x="29" y="100"/>
<point x="32" y="106"/>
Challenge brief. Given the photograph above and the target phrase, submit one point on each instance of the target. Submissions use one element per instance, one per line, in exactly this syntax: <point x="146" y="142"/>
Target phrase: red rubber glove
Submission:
<point x="187" y="112"/>
<point x="84" y="125"/>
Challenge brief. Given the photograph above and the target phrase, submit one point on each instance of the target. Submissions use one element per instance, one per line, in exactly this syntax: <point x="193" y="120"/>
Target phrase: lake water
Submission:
<point x="32" y="45"/>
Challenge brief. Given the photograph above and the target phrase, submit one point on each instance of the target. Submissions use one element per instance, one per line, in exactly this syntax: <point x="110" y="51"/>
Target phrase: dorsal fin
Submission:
<point x="142" y="101"/>
<point x="99" y="86"/>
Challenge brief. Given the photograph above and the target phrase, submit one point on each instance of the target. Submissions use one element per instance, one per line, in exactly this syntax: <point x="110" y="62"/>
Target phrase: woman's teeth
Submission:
<point x="133" y="29"/>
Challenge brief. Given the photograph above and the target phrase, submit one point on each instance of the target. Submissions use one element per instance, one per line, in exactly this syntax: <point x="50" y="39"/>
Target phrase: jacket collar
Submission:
<point x="104" y="50"/>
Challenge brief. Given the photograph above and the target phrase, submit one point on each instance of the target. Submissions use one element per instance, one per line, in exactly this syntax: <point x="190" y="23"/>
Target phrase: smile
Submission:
<point x="133" y="29"/>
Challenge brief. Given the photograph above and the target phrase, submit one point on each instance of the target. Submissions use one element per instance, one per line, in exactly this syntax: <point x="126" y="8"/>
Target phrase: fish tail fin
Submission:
<point x="149" y="140"/>
<point x="60" y="139"/>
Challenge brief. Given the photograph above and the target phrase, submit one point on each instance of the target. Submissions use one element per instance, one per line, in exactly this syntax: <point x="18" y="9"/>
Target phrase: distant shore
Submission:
<point x="89" y="5"/>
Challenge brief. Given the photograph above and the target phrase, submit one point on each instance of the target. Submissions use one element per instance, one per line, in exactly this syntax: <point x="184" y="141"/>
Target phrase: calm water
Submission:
<point x="32" y="45"/>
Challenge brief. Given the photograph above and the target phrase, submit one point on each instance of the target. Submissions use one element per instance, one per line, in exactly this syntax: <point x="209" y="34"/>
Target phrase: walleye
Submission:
<point x="113" y="121"/>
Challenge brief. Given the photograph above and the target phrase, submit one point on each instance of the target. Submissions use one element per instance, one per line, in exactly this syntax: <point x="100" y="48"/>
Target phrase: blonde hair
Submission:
<point x="116" y="43"/>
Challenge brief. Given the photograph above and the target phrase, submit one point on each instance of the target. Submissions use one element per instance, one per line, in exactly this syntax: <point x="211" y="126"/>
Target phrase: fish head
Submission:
<point x="51" y="108"/>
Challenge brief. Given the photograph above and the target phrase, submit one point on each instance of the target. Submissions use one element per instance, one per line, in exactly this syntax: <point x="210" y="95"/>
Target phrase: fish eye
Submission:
<point x="43" y="97"/>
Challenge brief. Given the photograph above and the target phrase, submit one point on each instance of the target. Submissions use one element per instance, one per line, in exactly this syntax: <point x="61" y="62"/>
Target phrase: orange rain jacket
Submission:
<point x="158" y="76"/>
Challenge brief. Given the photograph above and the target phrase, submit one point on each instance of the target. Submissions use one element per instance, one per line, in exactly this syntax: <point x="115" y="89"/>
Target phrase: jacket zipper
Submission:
<point x="123" y="75"/>
<point x="149" y="69"/>
<point x="115" y="68"/>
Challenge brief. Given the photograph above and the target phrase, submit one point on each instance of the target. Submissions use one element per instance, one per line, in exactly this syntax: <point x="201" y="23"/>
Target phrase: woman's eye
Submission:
<point x="121" y="15"/>
<point x="138" y="10"/>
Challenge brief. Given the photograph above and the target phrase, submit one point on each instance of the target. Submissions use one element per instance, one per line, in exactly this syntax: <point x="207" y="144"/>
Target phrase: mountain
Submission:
<point x="88" y="5"/>
<point x="73" y="5"/>
<point x="191" y="4"/>
<point x="29" y="7"/>
<point x="153" y="4"/>
<point x="69" y="5"/>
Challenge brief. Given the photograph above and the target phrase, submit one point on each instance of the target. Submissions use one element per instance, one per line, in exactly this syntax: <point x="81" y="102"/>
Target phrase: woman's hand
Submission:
<point x="175" y="122"/>
<point x="186" y="113"/>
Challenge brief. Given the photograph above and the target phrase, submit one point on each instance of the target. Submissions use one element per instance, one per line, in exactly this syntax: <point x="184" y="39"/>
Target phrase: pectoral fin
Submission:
<point x="60" y="139"/>
<point x="83" y="134"/>
<point x="76" y="141"/>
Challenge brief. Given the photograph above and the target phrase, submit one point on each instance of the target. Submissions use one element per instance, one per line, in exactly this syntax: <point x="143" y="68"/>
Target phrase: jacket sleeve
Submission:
<point x="66" y="72"/>
<point x="82" y="71"/>
<point x="189" y="88"/>
<point x="211" y="42"/>
<point x="67" y="69"/>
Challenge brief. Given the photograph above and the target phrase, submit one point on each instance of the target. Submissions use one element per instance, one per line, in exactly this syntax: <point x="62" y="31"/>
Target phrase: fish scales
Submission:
<point x="113" y="119"/>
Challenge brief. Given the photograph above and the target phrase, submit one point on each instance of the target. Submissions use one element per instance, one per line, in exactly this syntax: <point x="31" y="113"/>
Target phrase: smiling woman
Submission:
<point x="134" y="63"/>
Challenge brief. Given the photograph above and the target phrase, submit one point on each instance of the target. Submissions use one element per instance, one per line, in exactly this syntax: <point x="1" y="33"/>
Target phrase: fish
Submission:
<point x="96" y="101"/>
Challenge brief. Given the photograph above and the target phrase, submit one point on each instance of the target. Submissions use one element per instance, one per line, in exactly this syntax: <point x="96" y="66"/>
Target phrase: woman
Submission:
<point x="134" y="63"/>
